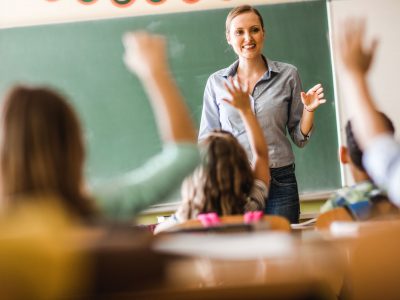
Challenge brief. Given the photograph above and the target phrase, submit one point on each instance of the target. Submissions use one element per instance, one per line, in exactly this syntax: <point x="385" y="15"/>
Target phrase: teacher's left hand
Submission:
<point x="313" y="98"/>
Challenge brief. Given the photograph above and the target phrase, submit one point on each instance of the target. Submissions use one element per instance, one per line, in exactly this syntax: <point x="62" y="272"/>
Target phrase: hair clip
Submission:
<point x="209" y="219"/>
<point x="253" y="216"/>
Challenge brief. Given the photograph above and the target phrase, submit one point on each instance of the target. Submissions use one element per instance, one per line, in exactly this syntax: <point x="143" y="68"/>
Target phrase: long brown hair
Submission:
<point x="223" y="181"/>
<point x="42" y="149"/>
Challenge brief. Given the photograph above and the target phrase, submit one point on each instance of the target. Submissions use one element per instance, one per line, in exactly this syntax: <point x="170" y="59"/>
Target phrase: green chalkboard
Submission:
<point x="84" y="61"/>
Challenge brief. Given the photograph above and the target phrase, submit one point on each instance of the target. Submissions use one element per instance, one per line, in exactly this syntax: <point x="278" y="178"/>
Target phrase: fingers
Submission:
<point x="303" y="97"/>
<point x="145" y="46"/>
<point x="128" y="39"/>
<point x="315" y="89"/>
<point x="246" y="87"/>
<point x="145" y="53"/>
<point x="235" y="83"/>
<point x="372" y="49"/>
<point x="235" y="86"/>
<point x="317" y="86"/>
<point x="227" y="101"/>
<point x="229" y="88"/>
<point x="238" y="81"/>
<point x="373" y="46"/>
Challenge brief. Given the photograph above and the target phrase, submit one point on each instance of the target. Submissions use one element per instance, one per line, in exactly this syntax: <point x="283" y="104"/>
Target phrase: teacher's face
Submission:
<point x="246" y="35"/>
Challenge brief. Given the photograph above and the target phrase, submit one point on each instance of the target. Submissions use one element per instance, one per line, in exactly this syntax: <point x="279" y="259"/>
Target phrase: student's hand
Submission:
<point x="356" y="57"/>
<point x="313" y="98"/>
<point x="240" y="98"/>
<point x="145" y="53"/>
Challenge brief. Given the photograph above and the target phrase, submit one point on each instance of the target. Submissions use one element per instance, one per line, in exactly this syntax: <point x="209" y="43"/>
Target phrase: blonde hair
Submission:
<point x="241" y="10"/>
<point x="222" y="183"/>
<point x="42" y="149"/>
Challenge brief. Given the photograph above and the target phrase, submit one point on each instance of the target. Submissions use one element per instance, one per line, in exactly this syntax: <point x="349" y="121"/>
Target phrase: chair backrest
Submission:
<point x="278" y="222"/>
<point x="374" y="268"/>
<point x="327" y="218"/>
<point x="274" y="222"/>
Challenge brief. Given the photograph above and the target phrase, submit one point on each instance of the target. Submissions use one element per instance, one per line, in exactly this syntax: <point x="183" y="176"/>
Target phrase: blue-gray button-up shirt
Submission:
<point x="275" y="101"/>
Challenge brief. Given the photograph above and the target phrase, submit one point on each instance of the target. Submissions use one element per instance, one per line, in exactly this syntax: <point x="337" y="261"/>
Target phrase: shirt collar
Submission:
<point x="272" y="68"/>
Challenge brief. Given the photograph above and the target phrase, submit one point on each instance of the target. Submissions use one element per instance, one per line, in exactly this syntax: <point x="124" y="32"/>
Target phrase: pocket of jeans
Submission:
<point x="285" y="180"/>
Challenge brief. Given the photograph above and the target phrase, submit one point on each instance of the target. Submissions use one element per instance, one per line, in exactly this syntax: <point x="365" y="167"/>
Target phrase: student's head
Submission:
<point x="41" y="148"/>
<point x="223" y="181"/>
<point x="352" y="153"/>
<point x="245" y="31"/>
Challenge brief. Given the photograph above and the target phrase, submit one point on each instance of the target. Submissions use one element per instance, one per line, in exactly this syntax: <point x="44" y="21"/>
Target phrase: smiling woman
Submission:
<point x="276" y="99"/>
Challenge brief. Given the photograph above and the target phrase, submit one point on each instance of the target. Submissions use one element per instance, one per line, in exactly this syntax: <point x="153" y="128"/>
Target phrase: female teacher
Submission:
<point x="276" y="99"/>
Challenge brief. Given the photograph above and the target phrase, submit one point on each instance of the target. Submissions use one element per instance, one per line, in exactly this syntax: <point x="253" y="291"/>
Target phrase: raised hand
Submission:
<point x="240" y="98"/>
<point x="356" y="57"/>
<point x="144" y="53"/>
<point x="313" y="98"/>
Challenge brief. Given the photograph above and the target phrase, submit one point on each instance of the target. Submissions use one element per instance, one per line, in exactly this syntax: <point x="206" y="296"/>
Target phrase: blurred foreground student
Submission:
<point x="226" y="183"/>
<point x="382" y="152"/>
<point x="364" y="188"/>
<point x="42" y="150"/>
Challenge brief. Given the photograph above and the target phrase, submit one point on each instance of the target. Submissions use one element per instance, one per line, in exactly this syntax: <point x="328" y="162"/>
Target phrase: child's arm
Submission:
<point x="126" y="195"/>
<point x="145" y="55"/>
<point x="357" y="61"/>
<point x="381" y="152"/>
<point x="241" y="101"/>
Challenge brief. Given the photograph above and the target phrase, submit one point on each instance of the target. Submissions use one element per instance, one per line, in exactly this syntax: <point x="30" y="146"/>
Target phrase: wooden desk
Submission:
<point x="233" y="260"/>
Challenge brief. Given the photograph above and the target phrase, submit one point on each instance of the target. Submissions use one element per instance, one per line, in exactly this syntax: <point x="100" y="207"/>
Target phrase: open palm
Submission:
<point x="313" y="98"/>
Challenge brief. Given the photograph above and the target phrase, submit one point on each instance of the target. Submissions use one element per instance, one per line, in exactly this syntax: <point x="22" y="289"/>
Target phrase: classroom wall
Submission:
<point x="383" y="21"/>
<point x="31" y="12"/>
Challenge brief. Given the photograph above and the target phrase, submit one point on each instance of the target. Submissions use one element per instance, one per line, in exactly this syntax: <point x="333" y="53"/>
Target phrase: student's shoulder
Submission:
<point x="351" y="194"/>
<point x="339" y="198"/>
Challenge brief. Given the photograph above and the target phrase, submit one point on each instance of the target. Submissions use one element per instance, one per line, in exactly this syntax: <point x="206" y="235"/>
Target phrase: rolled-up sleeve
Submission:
<point x="382" y="162"/>
<point x="123" y="197"/>
<point x="296" y="112"/>
<point x="210" y="119"/>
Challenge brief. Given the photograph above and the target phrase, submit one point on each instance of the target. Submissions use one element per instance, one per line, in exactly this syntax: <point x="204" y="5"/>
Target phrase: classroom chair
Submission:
<point x="325" y="220"/>
<point x="374" y="269"/>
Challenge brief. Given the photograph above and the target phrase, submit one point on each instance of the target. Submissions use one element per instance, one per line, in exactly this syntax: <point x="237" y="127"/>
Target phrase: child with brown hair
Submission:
<point x="226" y="182"/>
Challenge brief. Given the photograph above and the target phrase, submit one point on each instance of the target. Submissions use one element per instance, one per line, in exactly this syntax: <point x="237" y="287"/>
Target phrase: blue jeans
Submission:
<point x="283" y="198"/>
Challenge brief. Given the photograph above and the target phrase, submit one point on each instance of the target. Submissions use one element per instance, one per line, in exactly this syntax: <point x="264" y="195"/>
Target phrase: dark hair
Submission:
<point x="241" y="10"/>
<point x="354" y="150"/>
<point x="42" y="151"/>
